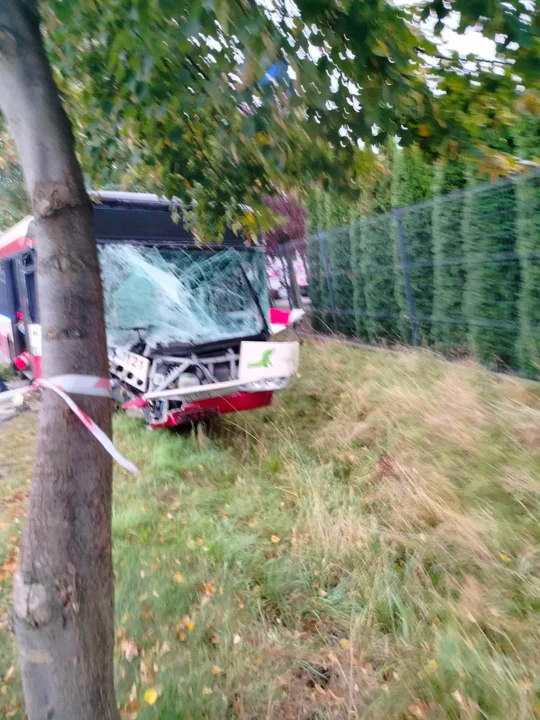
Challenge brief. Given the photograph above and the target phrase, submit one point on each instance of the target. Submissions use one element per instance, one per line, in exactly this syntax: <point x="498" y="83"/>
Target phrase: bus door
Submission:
<point x="27" y="311"/>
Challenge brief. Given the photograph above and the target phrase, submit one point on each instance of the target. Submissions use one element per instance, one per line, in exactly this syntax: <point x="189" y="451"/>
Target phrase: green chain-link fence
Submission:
<point x="459" y="273"/>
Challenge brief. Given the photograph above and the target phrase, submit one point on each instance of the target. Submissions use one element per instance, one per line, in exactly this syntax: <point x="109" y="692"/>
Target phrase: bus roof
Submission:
<point x="125" y="217"/>
<point x="13" y="240"/>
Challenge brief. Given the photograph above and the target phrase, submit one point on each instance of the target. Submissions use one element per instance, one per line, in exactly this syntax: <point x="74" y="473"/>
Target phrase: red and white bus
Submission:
<point x="188" y="325"/>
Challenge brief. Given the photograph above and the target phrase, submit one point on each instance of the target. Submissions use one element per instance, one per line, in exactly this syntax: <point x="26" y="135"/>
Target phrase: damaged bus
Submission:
<point x="188" y="325"/>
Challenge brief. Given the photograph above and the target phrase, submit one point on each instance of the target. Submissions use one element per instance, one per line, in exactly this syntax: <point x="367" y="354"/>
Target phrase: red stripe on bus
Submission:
<point x="15" y="246"/>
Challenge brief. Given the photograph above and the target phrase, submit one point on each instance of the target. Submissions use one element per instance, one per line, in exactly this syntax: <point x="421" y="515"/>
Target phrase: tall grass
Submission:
<point x="368" y="547"/>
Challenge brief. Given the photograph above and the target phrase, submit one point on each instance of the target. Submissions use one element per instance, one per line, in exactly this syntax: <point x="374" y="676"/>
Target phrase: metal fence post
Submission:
<point x="326" y="265"/>
<point x="406" y="275"/>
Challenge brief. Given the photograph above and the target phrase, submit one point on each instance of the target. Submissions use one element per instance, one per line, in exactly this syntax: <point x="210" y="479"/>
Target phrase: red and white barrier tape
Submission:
<point x="82" y="385"/>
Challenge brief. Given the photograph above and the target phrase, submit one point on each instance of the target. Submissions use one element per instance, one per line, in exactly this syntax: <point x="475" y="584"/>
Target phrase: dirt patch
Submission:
<point x="334" y="686"/>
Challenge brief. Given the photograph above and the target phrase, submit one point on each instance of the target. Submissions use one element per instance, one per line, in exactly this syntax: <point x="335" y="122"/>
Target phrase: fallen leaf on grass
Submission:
<point x="185" y="623"/>
<point x="419" y="711"/>
<point x="130" y="649"/>
<point x="178" y="577"/>
<point x="236" y="639"/>
<point x="8" y="568"/>
<point x="146" y="675"/>
<point x="274" y="538"/>
<point x="345" y="644"/>
<point x="209" y="588"/>
<point x="207" y="691"/>
<point x="340" y="700"/>
<point x="216" y="670"/>
<point x="150" y="696"/>
<point x="165" y="648"/>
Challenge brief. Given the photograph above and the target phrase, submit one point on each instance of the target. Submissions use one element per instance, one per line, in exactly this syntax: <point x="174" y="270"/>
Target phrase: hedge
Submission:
<point x="449" y="331"/>
<point x="411" y="184"/>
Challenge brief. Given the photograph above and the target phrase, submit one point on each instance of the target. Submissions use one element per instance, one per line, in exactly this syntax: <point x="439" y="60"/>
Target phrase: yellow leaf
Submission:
<point x="322" y="593"/>
<point x="178" y="577"/>
<point x="190" y="625"/>
<point x="150" y="696"/>
<point x="345" y="644"/>
<point x="423" y="130"/>
<point x="432" y="664"/>
<point x="274" y="538"/>
<point x="505" y="558"/>
<point x="380" y="49"/>
<point x="207" y="691"/>
<point x="216" y="670"/>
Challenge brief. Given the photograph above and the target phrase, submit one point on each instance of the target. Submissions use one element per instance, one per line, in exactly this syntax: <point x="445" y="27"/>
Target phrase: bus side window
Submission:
<point x="6" y="305"/>
<point x="29" y="271"/>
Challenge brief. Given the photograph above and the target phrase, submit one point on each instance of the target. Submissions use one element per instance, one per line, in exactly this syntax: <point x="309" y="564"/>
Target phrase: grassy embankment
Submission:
<point x="368" y="547"/>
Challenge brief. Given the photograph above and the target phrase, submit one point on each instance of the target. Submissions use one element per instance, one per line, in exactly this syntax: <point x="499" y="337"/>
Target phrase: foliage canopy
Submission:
<point x="217" y="102"/>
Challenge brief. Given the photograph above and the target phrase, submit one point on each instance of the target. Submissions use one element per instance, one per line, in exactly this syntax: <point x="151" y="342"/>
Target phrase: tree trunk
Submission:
<point x="295" y="296"/>
<point x="63" y="589"/>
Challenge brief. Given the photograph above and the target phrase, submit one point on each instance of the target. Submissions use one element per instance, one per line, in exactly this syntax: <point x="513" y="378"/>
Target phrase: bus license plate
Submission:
<point x="138" y="366"/>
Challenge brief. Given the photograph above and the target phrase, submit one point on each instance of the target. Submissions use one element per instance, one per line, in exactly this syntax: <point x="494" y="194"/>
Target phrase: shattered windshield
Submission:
<point x="177" y="296"/>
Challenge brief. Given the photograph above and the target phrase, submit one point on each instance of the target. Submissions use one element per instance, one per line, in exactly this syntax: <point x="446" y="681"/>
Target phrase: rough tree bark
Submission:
<point x="295" y="296"/>
<point x="63" y="589"/>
